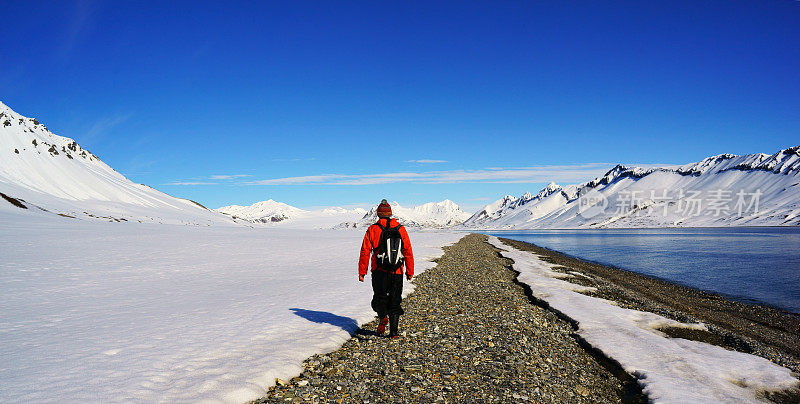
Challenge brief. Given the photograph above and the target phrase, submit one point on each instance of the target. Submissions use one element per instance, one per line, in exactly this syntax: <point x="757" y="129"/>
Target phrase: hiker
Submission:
<point x="388" y="244"/>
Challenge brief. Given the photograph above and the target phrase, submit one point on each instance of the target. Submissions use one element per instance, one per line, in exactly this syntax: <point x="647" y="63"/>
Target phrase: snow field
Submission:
<point x="671" y="370"/>
<point x="100" y="312"/>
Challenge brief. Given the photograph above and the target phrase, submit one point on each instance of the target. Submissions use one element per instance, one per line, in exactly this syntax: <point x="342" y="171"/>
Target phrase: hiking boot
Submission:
<point x="393" y="324"/>
<point x="382" y="326"/>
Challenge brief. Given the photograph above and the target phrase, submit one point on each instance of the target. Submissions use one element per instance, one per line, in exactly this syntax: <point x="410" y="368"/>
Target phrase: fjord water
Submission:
<point x="751" y="264"/>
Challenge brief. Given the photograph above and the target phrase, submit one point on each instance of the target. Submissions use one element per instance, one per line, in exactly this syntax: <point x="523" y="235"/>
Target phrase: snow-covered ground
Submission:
<point x="113" y="312"/>
<point x="671" y="370"/>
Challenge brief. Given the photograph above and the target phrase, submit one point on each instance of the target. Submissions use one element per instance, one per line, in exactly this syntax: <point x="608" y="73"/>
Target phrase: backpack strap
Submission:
<point x="378" y="223"/>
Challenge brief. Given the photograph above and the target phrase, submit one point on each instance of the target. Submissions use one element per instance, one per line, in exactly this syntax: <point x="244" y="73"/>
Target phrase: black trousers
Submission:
<point x="387" y="291"/>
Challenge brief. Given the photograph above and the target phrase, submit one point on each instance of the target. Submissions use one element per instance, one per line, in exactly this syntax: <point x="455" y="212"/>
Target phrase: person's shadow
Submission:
<point x="323" y="317"/>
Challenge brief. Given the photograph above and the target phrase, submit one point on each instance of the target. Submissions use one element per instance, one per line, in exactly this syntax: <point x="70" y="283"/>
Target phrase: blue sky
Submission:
<point x="342" y="103"/>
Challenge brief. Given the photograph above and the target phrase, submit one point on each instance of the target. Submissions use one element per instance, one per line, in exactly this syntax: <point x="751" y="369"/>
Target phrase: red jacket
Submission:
<point x="371" y="240"/>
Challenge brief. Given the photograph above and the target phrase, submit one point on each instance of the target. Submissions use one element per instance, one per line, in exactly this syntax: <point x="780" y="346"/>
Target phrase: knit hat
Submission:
<point x="384" y="209"/>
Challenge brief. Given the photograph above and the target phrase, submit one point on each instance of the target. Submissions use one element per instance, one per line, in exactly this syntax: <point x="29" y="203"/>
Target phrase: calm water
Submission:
<point x="748" y="264"/>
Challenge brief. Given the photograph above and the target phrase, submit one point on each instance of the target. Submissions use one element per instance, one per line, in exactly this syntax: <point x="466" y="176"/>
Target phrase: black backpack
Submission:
<point x="389" y="252"/>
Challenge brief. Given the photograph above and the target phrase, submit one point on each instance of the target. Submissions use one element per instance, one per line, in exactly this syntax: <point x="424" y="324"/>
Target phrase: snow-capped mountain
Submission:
<point x="724" y="190"/>
<point x="279" y="213"/>
<point x="268" y="211"/>
<point x="433" y="214"/>
<point x="43" y="173"/>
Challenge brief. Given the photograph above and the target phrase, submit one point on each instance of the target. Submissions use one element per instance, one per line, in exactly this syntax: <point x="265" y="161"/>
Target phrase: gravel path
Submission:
<point x="470" y="334"/>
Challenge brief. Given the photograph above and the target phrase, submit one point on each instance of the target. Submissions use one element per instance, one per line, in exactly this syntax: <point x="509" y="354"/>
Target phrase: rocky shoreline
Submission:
<point x="470" y="334"/>
<point x="750" y="328"/>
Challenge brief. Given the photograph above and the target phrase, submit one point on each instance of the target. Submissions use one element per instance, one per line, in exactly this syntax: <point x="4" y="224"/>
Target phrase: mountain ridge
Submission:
<point x="441" y="214"/>
<point x="551" y="206"/>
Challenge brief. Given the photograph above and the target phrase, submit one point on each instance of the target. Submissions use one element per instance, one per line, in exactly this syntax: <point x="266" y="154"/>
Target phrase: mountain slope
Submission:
<point x="46" y="173"/>
<point x="724" y="190"/>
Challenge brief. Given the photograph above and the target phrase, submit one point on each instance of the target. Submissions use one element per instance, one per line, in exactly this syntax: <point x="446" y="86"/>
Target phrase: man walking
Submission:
<point x="387" y="243"/>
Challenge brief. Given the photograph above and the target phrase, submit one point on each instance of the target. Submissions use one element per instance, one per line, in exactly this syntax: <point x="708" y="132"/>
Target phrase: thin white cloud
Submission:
<point x="228" y="176"/>
<point x="426" y="161"/>
<point x="78" y="26"/>
<point x="535" y="174"/>
<point x="348" y="206"/>
<point x="100" y="128"/>
<point x="178" y="183"/>
<point x="206" y="180"/>
<point x="652" y="165"/>
<point x="295" y="159"/>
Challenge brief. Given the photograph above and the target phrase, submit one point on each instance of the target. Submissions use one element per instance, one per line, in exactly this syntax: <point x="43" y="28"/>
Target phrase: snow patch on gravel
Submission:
<point x="671" y="370"/>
